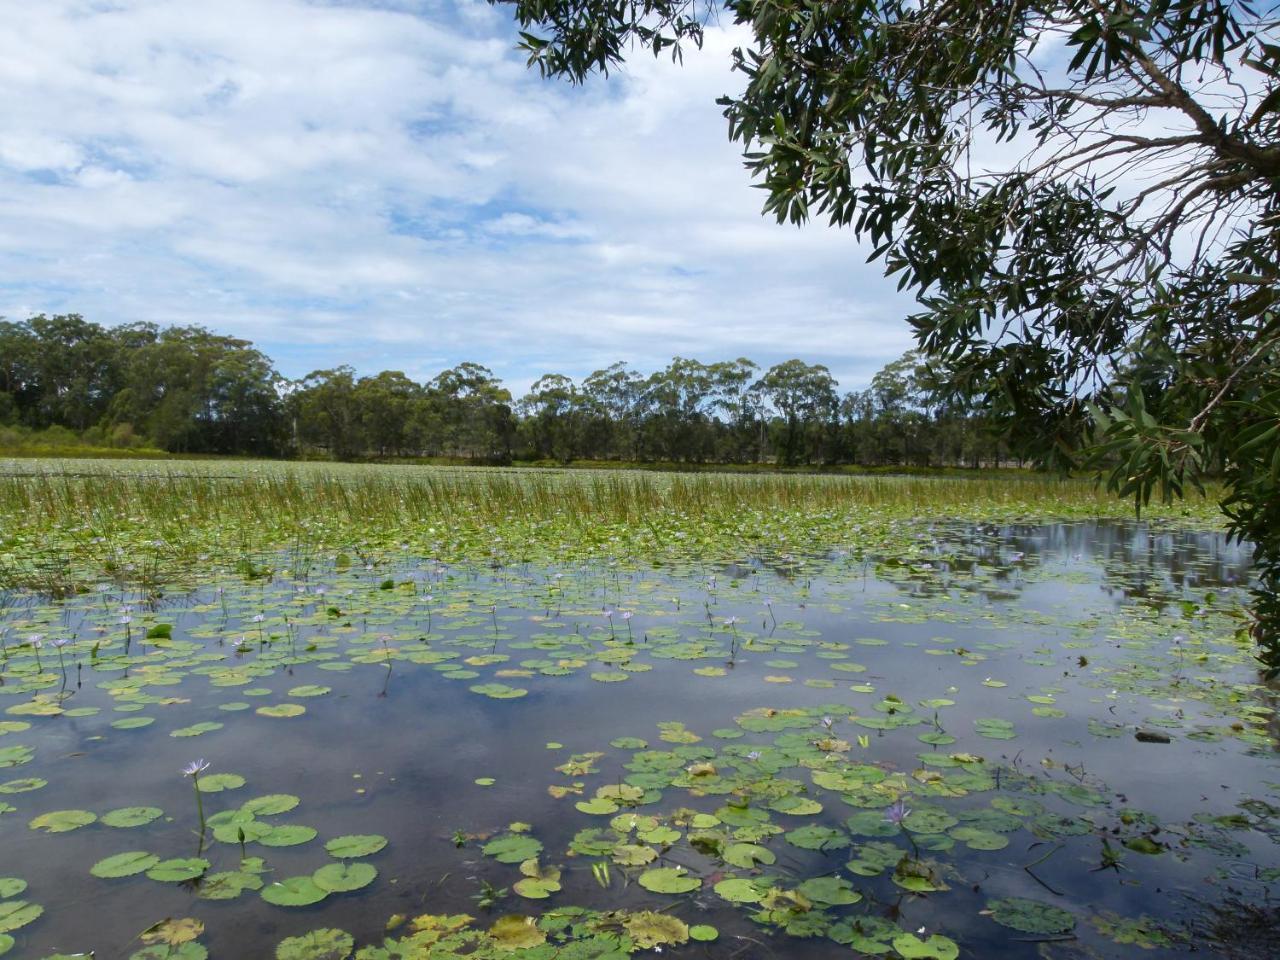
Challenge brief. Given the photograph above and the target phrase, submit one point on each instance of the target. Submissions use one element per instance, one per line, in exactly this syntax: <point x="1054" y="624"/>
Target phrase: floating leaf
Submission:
<point x="322" y="944"/>
<point x="669" y="880"/>
<point x="126" y="817"/>
<point x="270" y="805"/>
<point x="355" y="845"/>
<point x="18" y="913"/>
<point x="294" y="892"/>
<point x="217" y="782"/>
<point x="344" y="877"/>
<point x="282" y="710"/>
<point x="11" y="887"/>
<point x="124" y="864"/>
<point x="178" y="870"/>
<point x="173" y="932"/>
<point x="63" y="821"/>
<point x="1030" y="916"/>
<point x="516" y="932"/>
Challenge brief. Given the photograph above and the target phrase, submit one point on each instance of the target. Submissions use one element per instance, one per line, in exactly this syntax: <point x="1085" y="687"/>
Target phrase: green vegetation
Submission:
<point x="595" y="714"/>
<point x="66" y="524"/>
<point x="72" y="388"/>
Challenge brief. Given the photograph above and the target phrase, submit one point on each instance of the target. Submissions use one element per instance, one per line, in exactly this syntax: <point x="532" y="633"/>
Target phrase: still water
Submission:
<point x="1021" y="741"/>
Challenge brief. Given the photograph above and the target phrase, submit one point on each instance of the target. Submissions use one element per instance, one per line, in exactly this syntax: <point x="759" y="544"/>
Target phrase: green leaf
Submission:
<point x="355" y="845"/>
<point x="63" y="821"/>
<point x="294" y="892"/>
<point x="669" y="880"/>
<point x="344" y="877"/>
<point x="124" y="864"/>
<point x="178" y="870"/>
<point x="322" y="944"/>
<point x="126" y="817"/>
<point x="1030" y="916"/>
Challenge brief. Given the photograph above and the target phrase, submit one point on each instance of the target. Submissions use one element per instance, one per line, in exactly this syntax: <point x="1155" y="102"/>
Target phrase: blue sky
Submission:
<point x="386" y="185"/>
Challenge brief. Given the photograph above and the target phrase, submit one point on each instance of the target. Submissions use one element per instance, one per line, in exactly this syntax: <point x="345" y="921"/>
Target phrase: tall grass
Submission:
<point x="81" y="517"/>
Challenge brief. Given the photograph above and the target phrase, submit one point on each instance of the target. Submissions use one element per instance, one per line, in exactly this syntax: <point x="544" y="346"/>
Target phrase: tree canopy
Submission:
<point x="1083" y="197"/>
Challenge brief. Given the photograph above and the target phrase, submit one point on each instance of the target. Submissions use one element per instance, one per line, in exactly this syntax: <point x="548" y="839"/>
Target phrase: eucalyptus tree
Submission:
<point x="1083" y="197"/>
<point x="804" y="396"/>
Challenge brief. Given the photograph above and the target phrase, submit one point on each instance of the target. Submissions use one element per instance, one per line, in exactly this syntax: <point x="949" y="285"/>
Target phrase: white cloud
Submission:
<point x="387" y="185"/>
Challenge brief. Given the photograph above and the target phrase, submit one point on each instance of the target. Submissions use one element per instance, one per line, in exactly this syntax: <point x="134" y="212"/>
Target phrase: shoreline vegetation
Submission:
<point x="68" y="524"/>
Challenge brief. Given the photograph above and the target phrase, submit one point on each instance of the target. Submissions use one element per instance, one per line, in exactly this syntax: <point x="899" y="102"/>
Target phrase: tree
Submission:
<point x="1084" y="197"/>
<point x="803" y="394"/>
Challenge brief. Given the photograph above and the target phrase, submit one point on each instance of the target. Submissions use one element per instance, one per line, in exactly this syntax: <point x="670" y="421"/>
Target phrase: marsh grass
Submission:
<point x="64" y="522"/>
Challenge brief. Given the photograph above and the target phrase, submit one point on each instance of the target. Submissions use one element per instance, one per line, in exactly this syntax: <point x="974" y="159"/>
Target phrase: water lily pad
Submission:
<point x="703" y="932"/>
<point x="288" y="835"/>
<point x="228" y="884"/>
<point x="294" y="892"/>
<point x="178" y="869"/>
<point x="126" y="817"/>
<point x="355" y="845"/>
<point x="516" y="932"/>
<point x="196" y="729"/>
<point x="344" y="877"/>
<point x="1030" y="916"/>
<point x="23" y="786"/>
<point x="270" y="805"/>
<point x="739" y="890"/>
<point x="132" y="723"/>
<point x="173" y="932"/>
<point x="935" y="947"/>
<point x="309" y="690"/>
<point x="512" y="848"/>
<point x="217" y="782"/>
<point x="282" y="710"/>
<point x="11" y="887"/>
<point x="669" y="880"/>
<point x="62" y="821"/>
<point x="652" y="930"/>
<point x="124" y="864"/>
<point x="322" y="944"/>
<point x="18" y="913"/>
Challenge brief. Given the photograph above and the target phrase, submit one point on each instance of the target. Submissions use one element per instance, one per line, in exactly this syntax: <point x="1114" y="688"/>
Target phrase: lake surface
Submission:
<point x="730" y="745"/>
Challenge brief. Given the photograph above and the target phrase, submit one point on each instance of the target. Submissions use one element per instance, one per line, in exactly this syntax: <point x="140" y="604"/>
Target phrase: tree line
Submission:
<point x="189" y="390"/>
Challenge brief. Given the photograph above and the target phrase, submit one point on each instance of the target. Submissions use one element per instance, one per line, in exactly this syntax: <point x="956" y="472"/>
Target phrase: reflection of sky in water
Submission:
<point x="1044" y="610"/>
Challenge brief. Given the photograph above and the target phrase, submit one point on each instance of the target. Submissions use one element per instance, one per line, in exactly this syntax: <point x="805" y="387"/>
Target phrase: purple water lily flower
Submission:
<point x="897" y="812"/>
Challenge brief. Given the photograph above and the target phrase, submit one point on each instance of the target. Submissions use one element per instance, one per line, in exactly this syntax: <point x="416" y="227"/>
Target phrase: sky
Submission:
<point x="385" y="184"/>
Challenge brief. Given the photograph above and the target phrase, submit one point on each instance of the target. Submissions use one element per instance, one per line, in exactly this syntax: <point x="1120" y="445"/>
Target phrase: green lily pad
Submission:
<point x="11" y="887"/>
<point x="512" y="848"/>
<point x="124" y="864"/>
<point x="288" y="835"/>
<point x="669" y="880"/>
<point x="217" y="782"/>
<point x="178" y="869"/>
<point x="270" y="805"/>
<point x="126" y="817"/>
<point x="499" y="691"/>
<point x="322" y="944"/>
<point x="355" y="845"/>
<point x="18" y="913"/>
<point x="62" y="821"/>
<point x="309" y="690"/>
<point x="282" y="710"/>
<point x="294" y="892"/>
<point x="23" y="786"/>
<point x="703" y="932"/>
<point x="1030" y="916"/>
<point x="936" y="947"/>
<point x="344" y="877"/>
